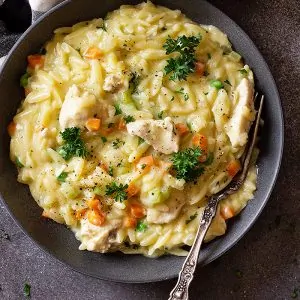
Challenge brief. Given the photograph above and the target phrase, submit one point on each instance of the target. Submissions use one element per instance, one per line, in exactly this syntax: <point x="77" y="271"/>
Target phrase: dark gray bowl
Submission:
<point x="57" y="239"/>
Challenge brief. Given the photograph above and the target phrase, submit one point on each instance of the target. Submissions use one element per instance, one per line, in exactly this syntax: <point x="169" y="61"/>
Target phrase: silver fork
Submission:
<point x="185" y="277"/>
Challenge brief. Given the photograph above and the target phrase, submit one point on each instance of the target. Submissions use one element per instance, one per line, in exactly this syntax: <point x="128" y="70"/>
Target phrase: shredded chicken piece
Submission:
<point x="167" y="212"/>
<point x="77" y="108"/>
<point x="100" y="238"/>
<point x="238" y="125"/>
<point x="160" y="134"/>
<point x="112" y="83"/>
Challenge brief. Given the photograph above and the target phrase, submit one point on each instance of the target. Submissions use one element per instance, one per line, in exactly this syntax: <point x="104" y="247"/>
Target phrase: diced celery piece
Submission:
<point x="127" y="98"/>
<point x="99" y="190"/>
<point x="157" y="195"/>
<point x="127" y="104"/>
<point x="69" y="191"/>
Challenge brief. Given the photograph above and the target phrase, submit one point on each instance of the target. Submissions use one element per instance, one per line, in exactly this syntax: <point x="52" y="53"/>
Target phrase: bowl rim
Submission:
<point x="246" y="228"/>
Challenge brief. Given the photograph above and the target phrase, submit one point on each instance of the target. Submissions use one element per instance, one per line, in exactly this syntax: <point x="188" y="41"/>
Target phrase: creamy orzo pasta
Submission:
<point x="129" y="124"/>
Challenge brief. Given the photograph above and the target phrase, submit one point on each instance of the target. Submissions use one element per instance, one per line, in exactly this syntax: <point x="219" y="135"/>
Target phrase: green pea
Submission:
<point x="217" y="84"/>
<point x="24" y="80"/>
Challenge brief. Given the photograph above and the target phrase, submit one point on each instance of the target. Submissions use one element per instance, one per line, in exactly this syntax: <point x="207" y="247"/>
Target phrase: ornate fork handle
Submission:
<point x="180" y="291"/>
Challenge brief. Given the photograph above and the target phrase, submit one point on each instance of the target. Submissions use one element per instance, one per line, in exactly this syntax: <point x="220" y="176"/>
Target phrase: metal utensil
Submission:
<point x="180" y="291"/>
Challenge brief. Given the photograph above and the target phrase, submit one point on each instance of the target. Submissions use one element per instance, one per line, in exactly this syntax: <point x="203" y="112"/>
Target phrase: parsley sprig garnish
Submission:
<point x="118" y="192"/>
<point x="187" y="165"/>
<point x="73" y="144"/>
<point x="183" y="65"/>
<point x="181" y="44"/>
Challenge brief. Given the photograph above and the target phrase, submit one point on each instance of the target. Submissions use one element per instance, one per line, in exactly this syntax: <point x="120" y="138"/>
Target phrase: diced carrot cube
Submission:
<point x="93" y="124"/>
<point x="35" y="60"/>
<point x="199" y="68"/>
<point x="122" y="124"/>
<point x="80" y="213"/>
<point x="26" y="91"/>
<point x="137" y="210"/>
<point x="182" y="128"/>
<point x="130" y="222"/>
<point x="93" y="203"/>
<point x="227" y="212"/>
<point x="96" y="217"/>
<point x="104" y="167"/>
<point x="93" y="53"/>
<point x="202" y="158"/>
<point x="132" y="190"/>
<point x="106" y="131"/>
<point x="11" y="128"/>
<point x="233" y="167"/>
<point x="45" y="215"/>
<point x="145" y="163"/>
<point x="165" y="165"/>
<point x="200" y="140"/>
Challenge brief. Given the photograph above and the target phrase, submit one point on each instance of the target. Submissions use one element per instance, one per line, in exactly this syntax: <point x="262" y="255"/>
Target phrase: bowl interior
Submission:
<point x="57" y="239"/>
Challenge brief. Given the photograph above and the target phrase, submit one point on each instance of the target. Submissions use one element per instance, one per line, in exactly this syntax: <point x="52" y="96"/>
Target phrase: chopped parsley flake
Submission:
<point x="62" y="176"/>
<point x="182" y="92"/>
<point x="227" y="82"/>
<point x="111" y="171"/>
<point x="26" y="290"/>
<point x="128" y="119"/>
<point x="73" y="144"/>
<point x="104" y="139"/>
<point x="191" y="218"/>
<point x="118" y="109"/>
<point x="18" y="163"/>
<point x="24" y="80"/>
<point x="118" y="192"/>
<point x="134" y="82"/>
<point x="295" y="293"/>
<point x="141" y="226"/>
<point x="160" y="115"/>
<point x="117" y="143"/>
<point x="243" y="71"/>
<point x="143" y="166"/>
<point x="210" y="159"/>
<point x="188" y="124"/>
<point x="103" y="27"/>
<point x="141" y="141"/>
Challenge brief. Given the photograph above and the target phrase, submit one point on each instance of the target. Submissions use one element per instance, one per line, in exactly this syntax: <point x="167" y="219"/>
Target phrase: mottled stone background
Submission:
<point x="265" y="263"/>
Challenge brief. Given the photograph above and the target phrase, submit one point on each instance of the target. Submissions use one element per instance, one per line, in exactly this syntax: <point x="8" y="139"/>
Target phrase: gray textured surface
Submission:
<point x="265" y="263"/>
